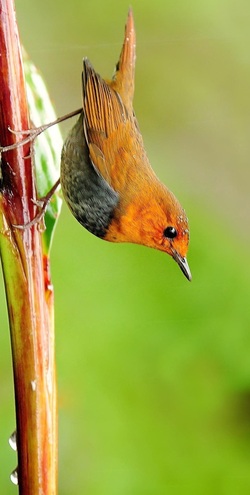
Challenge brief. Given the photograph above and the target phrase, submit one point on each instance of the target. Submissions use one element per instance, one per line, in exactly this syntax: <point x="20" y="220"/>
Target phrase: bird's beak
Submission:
<point x="183" y="264"/>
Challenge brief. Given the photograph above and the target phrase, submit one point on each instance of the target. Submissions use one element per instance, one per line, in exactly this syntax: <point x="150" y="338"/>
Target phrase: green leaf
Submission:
<point x="47" y="147"/>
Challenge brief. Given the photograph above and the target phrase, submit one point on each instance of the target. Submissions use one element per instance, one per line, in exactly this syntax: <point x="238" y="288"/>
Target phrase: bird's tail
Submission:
<point x="123" y="79"/>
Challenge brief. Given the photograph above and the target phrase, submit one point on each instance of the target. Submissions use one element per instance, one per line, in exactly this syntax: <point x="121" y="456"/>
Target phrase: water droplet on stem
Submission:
<point x="12" y="440"/>
<point x="14" y="476"/>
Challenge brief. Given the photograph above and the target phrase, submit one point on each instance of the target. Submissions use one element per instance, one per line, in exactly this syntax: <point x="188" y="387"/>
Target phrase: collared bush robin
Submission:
<point x="106" y="177"/>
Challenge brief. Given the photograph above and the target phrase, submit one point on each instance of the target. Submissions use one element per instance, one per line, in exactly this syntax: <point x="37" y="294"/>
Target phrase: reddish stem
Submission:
<point x="27" y="281"/>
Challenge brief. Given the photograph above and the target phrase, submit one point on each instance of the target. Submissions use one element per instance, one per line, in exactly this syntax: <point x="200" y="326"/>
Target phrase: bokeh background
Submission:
<point x="153" y="371"/>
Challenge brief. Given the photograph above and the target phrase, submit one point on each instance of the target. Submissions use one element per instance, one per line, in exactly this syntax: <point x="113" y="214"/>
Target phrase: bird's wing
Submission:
<point x="104" y="117"/>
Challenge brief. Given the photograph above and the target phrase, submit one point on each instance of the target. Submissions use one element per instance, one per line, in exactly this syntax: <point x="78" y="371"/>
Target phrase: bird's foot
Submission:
<point x="42" y="204"/>
<point x="32" y="134"/>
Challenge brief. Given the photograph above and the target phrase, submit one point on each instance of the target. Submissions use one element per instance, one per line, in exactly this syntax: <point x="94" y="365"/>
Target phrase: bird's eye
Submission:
<point x="170" y="232"/>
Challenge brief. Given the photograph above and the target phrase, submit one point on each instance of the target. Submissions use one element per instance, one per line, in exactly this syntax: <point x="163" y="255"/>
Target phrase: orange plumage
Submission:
<point x="106" y="176"/>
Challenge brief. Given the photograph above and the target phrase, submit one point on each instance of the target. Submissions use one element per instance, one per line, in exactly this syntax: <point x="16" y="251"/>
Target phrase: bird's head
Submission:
<point x="157" y="221"/>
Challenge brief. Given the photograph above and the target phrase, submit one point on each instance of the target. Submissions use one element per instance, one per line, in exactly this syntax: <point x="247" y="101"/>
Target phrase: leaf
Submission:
<point x="47" y="146"/>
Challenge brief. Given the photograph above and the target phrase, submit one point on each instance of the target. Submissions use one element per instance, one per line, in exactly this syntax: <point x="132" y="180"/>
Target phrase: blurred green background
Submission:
<point x="153" y="372"/>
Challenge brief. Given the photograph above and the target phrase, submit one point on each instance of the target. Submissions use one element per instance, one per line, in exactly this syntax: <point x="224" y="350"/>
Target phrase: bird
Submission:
<point x="106" y="177"/>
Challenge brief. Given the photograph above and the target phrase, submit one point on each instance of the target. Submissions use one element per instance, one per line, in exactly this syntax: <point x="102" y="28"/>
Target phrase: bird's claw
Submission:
<point x="39" y="217"/>
<point x="41" y="204"/>
<point x="24" y="132"/>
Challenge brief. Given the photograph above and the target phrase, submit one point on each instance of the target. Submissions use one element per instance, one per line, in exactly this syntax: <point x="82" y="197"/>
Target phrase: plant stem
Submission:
<point x="28" y="286"/>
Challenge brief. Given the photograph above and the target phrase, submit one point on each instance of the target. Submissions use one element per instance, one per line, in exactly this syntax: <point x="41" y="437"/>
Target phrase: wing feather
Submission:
<point x="104" y="117"/>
